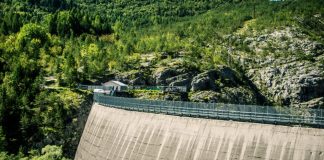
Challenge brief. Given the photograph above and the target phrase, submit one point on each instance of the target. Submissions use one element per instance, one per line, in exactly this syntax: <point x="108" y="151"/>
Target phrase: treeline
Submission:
<point x="96" y="17"/>
<point x="62" y="23"/>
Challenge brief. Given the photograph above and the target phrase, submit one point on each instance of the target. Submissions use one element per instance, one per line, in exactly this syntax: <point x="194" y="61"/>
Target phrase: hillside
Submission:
<point x="247" y="52"/>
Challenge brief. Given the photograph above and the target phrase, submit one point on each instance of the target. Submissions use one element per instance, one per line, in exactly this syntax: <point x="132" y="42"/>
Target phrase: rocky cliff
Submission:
<point x="279" y="67"/>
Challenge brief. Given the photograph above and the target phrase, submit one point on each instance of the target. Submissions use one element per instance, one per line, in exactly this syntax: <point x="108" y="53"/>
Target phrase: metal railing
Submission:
<point x="252" y="113"/>
<point x="181" y="89"/>
<point x="92" y="87"/>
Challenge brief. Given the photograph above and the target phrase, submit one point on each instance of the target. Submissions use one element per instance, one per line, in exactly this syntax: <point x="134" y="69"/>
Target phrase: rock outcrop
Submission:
<point x="174" y="77"/>
<point x="205" y="81"/>
<point x="283" y="66"/>
<point x="288" y="40"/>
<point x="221" y="85"/>
<point x="181" y="80"/>
<point x="162" y="74"/>
<point x="134" y="78"/>
<point x="291" y="84"/>
<point x="236" y="95"/>
<point x="292" y="72"/>
<point x="205" y="96"/>
<point x="215" y="79"/>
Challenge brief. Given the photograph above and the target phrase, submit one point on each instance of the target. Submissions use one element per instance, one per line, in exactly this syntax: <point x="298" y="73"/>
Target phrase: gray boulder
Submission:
<point x="215" y="79"/>
<point x="228" y="76"/>
<point x="138" y="81"/>
<point x="205" y="81"/>
<point x="161" y="76"/>
<point x="132" y="77"/>
<point x="180" y="77"/>
<point x="181" y="80"/>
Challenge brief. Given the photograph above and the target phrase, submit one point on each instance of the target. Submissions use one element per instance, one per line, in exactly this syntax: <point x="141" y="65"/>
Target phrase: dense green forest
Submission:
<point x="82" y="41"/>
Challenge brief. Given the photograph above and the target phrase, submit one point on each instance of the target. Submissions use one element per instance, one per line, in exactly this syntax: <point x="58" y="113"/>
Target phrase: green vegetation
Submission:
<point x="49" y="152"/>
<point x="147" y="94"/>
<point x="84" y="40"/>
<point x="51" y="118"/>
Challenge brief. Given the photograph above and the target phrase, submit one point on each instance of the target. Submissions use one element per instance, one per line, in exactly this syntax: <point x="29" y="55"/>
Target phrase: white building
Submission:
<point x="118" y="86"/>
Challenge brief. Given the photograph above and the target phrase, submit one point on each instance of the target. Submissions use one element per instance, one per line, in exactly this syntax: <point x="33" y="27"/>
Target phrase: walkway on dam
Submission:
<point x="251" y="113"/>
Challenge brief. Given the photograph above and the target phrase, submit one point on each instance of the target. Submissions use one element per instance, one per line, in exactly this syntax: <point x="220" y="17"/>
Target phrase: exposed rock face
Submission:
<point x="291" y="83"/>
<point x="138" y="81"/>
<point x="174" y="77"/>
<point x="286" y="66"/>
<point x="228" y="76"/>
<point x="204" y="96"/>
<point x="163" y="74"/>
<point x="317" y="102"/>
<point x="133" y="78"/>
<point x="286" y="40"/>
<point x="218" y="85"/>
<point x="221" y="86"/>
<point x="181" y="80"/>
<point x="215" y="79"/>
<point x="283" y="66"/>
<point x="126" y="77"/>
<point x="238" y="95"/>
<point x="205" y="81"/>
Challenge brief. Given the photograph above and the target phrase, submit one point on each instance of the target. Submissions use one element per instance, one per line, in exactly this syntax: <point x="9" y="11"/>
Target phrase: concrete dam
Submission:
<point x="116" y="134"/>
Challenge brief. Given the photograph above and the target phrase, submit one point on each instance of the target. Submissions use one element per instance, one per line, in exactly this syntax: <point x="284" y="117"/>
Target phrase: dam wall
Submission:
<point x="116" y="134"/>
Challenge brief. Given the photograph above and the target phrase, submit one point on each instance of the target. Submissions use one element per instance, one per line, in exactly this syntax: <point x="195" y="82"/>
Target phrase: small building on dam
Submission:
<point x="116" y="85"/>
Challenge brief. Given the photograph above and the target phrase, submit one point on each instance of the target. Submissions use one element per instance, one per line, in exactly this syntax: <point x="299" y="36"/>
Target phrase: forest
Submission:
<point x="82" y="41"/>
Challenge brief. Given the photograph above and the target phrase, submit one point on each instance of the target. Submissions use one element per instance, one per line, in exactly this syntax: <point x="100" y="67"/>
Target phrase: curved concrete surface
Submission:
<point x="119" y="134"/>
